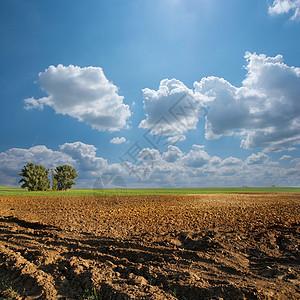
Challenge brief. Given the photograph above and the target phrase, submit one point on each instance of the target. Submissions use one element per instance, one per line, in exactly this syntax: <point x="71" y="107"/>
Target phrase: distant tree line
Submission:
<point x="36" y="177"/>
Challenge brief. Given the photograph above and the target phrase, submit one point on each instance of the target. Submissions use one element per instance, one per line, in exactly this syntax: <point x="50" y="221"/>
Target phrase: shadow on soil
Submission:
<point x="44" y="262"/>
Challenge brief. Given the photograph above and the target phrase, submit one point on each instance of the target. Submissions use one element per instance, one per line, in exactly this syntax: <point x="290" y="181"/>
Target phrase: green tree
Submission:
<point x="34" y="177"/>
<point x="64" y="177"/>
<point x="54" y="181"/>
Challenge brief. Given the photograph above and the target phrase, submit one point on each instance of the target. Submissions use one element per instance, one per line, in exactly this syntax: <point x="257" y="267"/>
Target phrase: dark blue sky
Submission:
<point x="138" y="44"/>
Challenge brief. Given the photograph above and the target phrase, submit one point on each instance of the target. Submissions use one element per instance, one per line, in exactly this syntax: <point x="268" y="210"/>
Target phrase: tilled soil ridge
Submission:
<point x="233" y="246"/>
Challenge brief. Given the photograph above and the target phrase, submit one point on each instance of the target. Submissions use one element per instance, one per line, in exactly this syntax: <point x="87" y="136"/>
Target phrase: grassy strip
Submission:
<point x="77" y="192"/>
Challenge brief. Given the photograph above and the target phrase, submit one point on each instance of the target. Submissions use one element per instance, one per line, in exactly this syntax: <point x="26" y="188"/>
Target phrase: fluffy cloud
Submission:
<point x="231" y="161"/>
<point x="88" y="163"/>
<point x="172" y="154"/>
<point x="285" y="6"/>
<point x="84" y="155"/>
<point x="79" y="155"/>
<point x="171" y="110"/>
<point x="118" y="140"/>
<point x="264" y="111"/>
<point x="31" y="103"/>
<point x="199" y="168"/>
<point x="176" y="138"/>
<point x="225" y="112"/>
<point x="285" y="157"/>
<point x="171" y="168"/>
<point x="197" y="157"/>
<point x="13" y="160"/>
<point x="296" y="161"/>
<point x="148" y="155"/>
<point x="255" y="159"/>
<point x="84" y="94"/>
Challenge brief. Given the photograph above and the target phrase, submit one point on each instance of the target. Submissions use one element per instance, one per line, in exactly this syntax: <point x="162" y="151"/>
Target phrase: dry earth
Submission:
<point x="233" y="246"/>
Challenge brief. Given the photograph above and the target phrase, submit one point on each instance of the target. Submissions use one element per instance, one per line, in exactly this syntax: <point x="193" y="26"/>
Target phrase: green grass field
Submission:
<point x="6" y="191"/>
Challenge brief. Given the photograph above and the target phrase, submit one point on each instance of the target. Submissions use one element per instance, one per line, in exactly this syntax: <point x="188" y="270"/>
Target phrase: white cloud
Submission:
<point x="84" y="155"/>
<point x="285" y="6"/>
<point x="264" y="112"/>
<point x="89" y="165"/>
<point x="226" y="112"/>
<point x="148" y="157"/>
<point x="296" y="161"/>
<point x="285" y="157"/>
<point x="215" y="160"/>
<point x="31" y="103"/>
<point x="81" y="156"/>
<point x="171" y="168"/>
<point x="176" y="138"/>
<point x="171" y="110"/>
<point x="13" y="160"/>
<point x="118" y="140"/>
<point x="255" y="159"/>
<point x="199" y="168"/>
<point x="84" y="94"/>
<point x="197" y="157"/>
<point x="231" y="161"/>
<point x="172" y="154"/>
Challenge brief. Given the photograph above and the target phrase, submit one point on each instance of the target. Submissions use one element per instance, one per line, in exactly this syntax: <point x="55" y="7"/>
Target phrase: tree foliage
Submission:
<point x="34" y="177"/>
<point x="64" y="177"/>
<point x="54" y="181"/>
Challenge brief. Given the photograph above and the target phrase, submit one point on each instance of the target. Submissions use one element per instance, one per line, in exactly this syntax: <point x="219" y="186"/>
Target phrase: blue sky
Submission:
<point x="88" y="82"/>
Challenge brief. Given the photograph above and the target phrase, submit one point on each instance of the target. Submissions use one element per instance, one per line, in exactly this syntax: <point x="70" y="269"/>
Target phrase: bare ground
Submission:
<point x="233" y="246"/>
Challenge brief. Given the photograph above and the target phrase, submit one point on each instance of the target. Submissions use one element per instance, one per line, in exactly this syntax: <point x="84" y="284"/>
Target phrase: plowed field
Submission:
<point x="225" y="246"/>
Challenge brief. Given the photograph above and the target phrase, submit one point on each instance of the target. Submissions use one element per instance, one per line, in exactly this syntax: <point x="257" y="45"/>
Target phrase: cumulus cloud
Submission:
<point x="285" y="157"/>
<point x="171" y="110"/>
<point x="264" y="112"/>
<point x="199" y="168"/>
<point x="176" y="138"/>
<point x="197" y="157"/>
<point x="285" y="6"/>
<point x="148" y="155"/>
<point x="265" y="109"/>
<point x="152" y="168"/>
<point x="81" y="156"/>
<point x="118" y="140"/>
<point x="84" y="94"/>
<point x="255" y="159"/>
<point x="31" y="103"/>
<point x="13" y="160"/>
<point x="231" y="161"/>
<point x="172" y="154"/>
<point x="89" y="165"/>
<point x="84" y="155"/>
<point x="226" y="112"/>
<point x="296" y="161"/>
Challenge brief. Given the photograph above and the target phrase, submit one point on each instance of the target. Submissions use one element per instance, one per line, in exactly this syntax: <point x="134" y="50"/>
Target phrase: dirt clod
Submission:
<point x="233" y="246"/>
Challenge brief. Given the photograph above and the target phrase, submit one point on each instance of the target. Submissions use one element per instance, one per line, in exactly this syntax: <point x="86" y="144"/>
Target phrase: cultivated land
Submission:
<point x="206" y="246"/>
<point x="9" y="191"/>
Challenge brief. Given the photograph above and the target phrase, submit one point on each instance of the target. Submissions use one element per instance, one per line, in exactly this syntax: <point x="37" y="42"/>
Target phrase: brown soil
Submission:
<point x="233" y="246"/>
